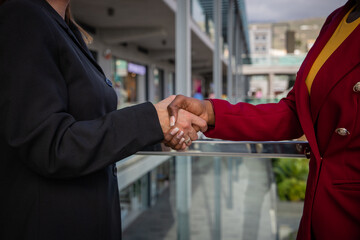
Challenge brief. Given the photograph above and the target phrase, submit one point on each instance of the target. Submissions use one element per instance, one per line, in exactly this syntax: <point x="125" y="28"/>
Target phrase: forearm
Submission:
<point x="264" y="122"/>
<point x="61" y="147"/>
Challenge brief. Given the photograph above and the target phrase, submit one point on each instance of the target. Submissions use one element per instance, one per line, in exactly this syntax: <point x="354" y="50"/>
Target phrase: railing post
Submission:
<point x="230" y="182"/>
<point x="217" y="200"/>
<point x="183" y="197"/>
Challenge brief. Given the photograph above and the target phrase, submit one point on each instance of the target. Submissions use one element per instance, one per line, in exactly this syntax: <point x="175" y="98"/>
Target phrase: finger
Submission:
<point x="196" y="128"/>
<point x="184" y="146"/>
<point x="176" y="139"/>
<point x="190" y="135"/>
<point x="193" y="135"/>
<point x="180" y="144"/>
<point x="180" y="135"/>
<point x="175" y="106"/>
<point x="198" y="123"/>
<point x="168" y="136"/>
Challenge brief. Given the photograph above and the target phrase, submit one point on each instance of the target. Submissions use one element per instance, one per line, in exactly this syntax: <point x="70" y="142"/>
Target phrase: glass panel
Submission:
<point x="230" y="198"/>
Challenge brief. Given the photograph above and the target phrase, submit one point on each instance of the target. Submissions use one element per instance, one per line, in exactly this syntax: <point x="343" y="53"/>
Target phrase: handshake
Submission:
<point x="181" y="118"/>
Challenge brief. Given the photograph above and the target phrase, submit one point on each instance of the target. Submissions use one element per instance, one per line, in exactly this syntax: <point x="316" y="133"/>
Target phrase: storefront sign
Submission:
<point x="135" y="68"/>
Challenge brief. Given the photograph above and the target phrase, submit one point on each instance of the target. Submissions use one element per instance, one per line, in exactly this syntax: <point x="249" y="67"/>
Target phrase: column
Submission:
<point x="151" y="84"/>
<point x="230" y="37"/>
<point x="271" y="85"/>
<point x="243" y="86"/>
<point x="166" y="84"/>
<point x="217" y="78"/>
<point x="141" y="88"/>
<point x="217" y="63"/>
<point x="237" y="61"/>
<point x="183" y="86"/>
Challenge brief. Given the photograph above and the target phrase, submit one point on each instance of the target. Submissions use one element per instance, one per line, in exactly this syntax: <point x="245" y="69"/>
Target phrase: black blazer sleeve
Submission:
<point x="36" y="124"/>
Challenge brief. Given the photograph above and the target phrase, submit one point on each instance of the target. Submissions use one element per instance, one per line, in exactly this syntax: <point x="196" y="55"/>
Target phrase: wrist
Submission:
<point x="163" y="117"/>
<point x="210" y="116"/>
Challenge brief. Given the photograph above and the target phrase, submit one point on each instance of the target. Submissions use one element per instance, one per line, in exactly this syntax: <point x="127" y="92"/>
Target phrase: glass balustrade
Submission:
<point x="213" y="190"/>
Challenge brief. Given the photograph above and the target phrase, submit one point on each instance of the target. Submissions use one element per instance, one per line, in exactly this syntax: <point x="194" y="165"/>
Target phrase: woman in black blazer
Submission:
<point x="60" y="132"/>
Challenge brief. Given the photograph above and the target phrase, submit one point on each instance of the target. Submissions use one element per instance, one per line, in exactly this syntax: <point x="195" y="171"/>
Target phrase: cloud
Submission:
<point x="282" y="10"/>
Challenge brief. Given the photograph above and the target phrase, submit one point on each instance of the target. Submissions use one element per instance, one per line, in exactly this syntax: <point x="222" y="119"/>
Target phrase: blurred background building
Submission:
<point x="277" y="51"/>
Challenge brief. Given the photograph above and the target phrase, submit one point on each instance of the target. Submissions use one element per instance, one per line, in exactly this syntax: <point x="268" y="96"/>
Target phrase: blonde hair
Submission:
<point x="68" y="18"/>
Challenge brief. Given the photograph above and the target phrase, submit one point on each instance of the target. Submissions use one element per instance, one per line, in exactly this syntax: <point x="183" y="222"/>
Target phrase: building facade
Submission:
<point x="277" y="51"/>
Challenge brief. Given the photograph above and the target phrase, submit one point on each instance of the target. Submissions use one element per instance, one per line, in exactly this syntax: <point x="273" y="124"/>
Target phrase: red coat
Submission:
<point x="332" y="202"/>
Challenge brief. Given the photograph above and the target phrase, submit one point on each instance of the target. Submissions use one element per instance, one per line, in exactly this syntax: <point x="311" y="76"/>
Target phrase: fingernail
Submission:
<point x="174" y="131"/>
<point x="180" y="135"/>
<point x="172" y="121"/>
<point x="182" y="141"/>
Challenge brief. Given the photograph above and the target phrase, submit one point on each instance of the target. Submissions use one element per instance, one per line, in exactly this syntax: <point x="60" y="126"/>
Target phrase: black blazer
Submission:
<point x="60" y="132"/>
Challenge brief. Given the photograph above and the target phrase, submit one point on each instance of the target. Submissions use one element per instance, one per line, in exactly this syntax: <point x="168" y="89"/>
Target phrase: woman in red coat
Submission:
<point x="323" y="105"/>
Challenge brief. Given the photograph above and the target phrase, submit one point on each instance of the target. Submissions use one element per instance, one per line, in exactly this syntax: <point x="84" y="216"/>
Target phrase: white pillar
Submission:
<point x="183" y="48"/>
<point x="271" y="85"/>
<point x="183" y="86"/>
<point x="230" y="37"/>
<point x="141" y="89"/>
<point x="217" y="78"/>
<point x="217" y="63"/>
<point x="151" y="83"/>
<point x="237" y="63"/>
<point x="166" y="83"/>
<point x="241" y="87"/>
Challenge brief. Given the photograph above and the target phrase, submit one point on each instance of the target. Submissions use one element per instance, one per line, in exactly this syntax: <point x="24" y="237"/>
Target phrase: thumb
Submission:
<point x="174" y="107"/>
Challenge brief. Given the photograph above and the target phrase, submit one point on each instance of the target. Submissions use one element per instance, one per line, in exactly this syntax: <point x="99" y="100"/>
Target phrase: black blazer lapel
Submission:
<point x="71" y="31"/>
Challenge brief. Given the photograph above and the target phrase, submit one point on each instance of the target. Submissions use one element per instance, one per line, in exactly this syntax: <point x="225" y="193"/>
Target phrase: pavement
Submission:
<point x="289" y="215"/>
<point x="247" y="204"/>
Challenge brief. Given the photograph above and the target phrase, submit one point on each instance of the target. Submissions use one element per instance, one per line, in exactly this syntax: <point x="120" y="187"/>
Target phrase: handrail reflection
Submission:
<point x="252" y="149"/>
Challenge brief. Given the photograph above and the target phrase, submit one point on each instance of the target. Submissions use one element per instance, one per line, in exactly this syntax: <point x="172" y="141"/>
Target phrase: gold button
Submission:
<point x="342" y="131"/>
<point x="356" y="87"/>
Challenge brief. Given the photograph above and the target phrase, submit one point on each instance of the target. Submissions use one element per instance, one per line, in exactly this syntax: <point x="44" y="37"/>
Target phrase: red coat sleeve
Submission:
<point x="264" y="122"/>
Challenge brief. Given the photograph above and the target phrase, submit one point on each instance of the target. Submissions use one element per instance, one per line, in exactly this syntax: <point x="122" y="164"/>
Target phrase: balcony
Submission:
<point x="214" y="190"/>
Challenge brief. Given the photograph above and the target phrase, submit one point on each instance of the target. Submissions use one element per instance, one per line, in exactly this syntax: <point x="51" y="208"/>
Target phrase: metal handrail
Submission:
<point x="251" y="149"/>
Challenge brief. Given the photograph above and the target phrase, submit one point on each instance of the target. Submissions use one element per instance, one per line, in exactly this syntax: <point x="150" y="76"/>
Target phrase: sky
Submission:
<point x="282" y="10"/>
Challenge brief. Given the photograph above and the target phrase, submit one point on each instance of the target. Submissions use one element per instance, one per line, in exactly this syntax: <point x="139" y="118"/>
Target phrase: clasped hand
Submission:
<point x="181" y="118"/>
